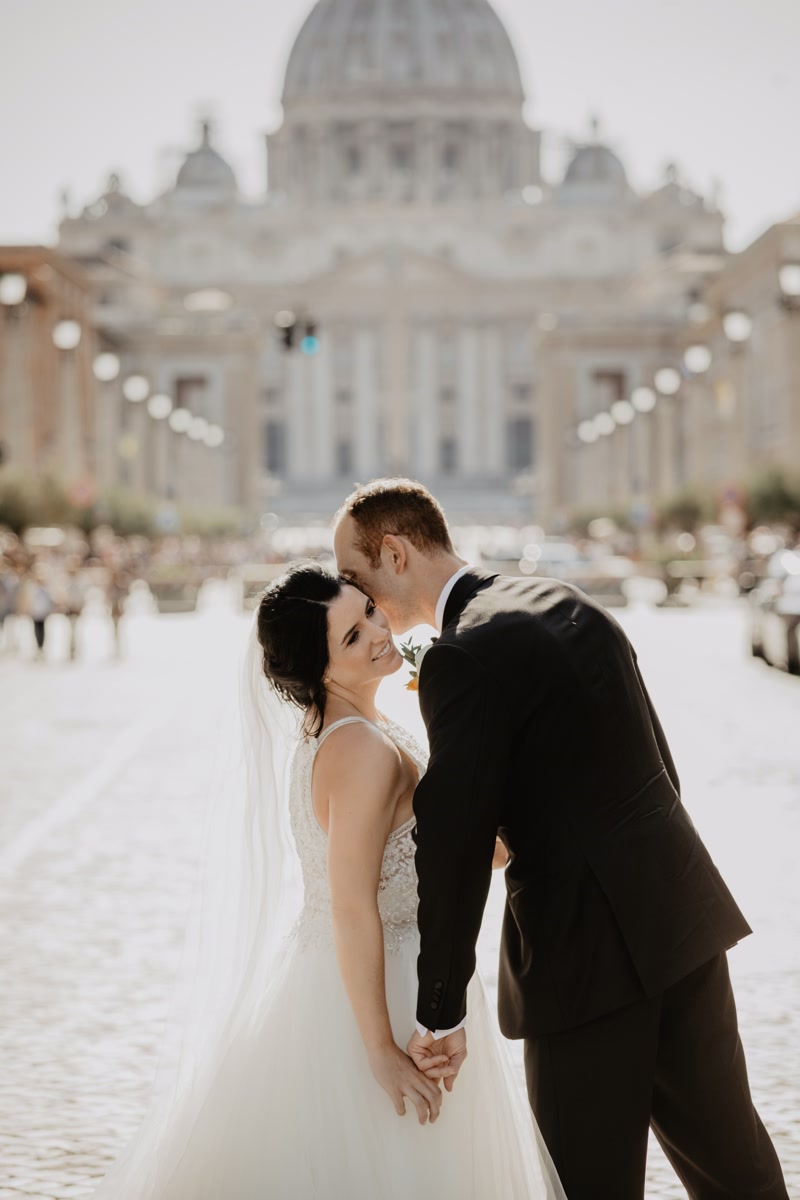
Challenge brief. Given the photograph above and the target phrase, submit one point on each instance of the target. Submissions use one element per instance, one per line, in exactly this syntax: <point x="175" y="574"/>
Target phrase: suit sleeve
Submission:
<point x="457" y="806"/>
<point x="661" y="740"/>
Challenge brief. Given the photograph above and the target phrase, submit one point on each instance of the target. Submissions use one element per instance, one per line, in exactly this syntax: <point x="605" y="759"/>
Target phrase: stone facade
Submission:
<point x="468" y="315"/>
<point x="48" y="419"/>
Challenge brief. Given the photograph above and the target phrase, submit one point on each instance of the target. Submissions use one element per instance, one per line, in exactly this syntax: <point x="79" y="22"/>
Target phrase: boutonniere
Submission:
<point x="414" y="655"/>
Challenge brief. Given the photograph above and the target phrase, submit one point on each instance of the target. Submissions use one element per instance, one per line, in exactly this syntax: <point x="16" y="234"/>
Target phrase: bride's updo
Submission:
<point x="292" y="627"/>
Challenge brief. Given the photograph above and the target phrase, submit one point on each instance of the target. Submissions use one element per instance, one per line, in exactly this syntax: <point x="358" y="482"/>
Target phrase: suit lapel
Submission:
<point x="462" y="590"/>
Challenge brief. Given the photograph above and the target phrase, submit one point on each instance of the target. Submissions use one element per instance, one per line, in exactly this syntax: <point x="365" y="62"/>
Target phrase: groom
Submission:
<point x="612" y="965"/>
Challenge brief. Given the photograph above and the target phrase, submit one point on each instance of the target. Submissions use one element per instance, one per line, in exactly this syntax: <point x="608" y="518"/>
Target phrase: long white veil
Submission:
<point x="248" y="898"/>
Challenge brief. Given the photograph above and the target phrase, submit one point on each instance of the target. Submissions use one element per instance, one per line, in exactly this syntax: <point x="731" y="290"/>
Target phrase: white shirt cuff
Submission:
<point x="440" y="1033"/>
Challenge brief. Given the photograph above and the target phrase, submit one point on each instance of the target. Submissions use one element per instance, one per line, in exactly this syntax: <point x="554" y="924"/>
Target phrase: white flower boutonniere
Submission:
<point x="414" y="655"/>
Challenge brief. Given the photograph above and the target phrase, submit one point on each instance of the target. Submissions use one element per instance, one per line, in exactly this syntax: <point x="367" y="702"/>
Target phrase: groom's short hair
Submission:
<point x="399" y="506"/>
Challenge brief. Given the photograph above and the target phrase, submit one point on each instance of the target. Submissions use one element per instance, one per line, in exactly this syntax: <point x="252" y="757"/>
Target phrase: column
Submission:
<point x="296" y="417"/>
<point x="374" y="158"/>
<point x="426" y="407"/>
<point x="107" y="431"/>
<point x="367" y="456"/>
<point x="427" y="166"/>
<point x="322" y="410"/>
<point x="494" y="404"/>
<point x="397" y="409"/>
<point x="469" y="456"/>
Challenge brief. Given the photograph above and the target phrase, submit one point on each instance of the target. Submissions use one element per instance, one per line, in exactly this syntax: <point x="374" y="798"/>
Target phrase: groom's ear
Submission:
<point x="394" y="553"/>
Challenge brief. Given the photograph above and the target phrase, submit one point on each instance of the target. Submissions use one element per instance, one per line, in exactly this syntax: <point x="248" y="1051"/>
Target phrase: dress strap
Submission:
<point x="343" y="721"/>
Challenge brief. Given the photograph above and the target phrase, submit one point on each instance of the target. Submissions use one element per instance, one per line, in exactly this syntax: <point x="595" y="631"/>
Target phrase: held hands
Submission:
<point x="439" y="1058"/>
<point x="400" y="1079"/>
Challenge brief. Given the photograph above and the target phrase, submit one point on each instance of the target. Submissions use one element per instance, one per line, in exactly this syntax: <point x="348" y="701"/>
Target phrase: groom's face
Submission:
<point x="375" y="582"/>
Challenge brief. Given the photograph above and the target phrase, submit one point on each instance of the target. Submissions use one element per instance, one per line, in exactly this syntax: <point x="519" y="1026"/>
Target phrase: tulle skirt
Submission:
<point x="294" y="1112"/>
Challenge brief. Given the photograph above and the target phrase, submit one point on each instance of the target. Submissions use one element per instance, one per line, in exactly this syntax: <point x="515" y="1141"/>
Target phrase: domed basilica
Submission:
<point x="410" y="294"/>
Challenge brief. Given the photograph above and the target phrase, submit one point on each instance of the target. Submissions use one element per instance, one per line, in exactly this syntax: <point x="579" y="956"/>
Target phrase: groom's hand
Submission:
<point x="429" y="1054"/>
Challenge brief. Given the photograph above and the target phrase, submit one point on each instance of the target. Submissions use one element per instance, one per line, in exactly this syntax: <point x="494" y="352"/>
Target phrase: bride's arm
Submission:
<point x="360" y="777"/>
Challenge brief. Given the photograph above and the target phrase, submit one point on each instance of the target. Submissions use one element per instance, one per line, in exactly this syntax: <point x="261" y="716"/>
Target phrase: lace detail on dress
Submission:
<point x="397" y="890"/>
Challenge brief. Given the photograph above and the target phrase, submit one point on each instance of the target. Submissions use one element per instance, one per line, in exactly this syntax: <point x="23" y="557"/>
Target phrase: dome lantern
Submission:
<point x="205" y="169"/>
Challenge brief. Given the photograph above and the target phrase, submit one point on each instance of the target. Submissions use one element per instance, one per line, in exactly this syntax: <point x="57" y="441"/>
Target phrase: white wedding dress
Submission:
<point x="294" y="1112"/>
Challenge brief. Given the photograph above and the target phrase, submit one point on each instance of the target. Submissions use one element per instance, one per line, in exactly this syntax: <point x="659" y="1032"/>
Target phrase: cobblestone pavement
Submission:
<point x="102" y="799"/>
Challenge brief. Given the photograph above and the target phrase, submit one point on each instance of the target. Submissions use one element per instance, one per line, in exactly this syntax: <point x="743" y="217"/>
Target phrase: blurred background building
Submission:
<point x="410" y="295"/>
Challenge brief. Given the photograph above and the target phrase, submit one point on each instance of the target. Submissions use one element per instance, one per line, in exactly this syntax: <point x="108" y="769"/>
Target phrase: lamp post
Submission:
<point x="623" y="414"/>
<point x="66" y="335"/>
<point x="737" y="326"/>
<point x="136" y="389"/>
<point x="692" y="414"/>
<point x="789" y="284"/>
<point x="179" y="421"/>
<point x="159" y="407"/>
<point x="106" y="368"/>
<point x="643" y="402"/>
<point x="667" y="383"/>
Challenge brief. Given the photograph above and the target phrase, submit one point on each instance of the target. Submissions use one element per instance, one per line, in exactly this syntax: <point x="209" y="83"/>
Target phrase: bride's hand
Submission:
<point x="440" y="1058"/>
<point x="400" y="1079"/>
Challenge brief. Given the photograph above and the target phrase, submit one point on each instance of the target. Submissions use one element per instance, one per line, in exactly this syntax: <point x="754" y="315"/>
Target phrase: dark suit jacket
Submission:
<point x="541" y="728"/>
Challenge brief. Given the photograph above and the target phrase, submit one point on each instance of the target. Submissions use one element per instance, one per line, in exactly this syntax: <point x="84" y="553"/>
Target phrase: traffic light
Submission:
<point x="310" y="342"/>
<point x="290" y="328"/>
<point x="286" y="324"/>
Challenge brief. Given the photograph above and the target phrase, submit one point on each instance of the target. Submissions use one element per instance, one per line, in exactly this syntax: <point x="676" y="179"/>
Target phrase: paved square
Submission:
<point x="105" y="781"/>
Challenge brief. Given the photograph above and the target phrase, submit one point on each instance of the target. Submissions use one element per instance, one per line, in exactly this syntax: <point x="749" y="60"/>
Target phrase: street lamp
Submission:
<point x="667" y="381"/>
<point x="643" y="399"/>
<point x="66" y="335"/>
<point x="13" y="289"/>
<point x="198" y="429"/>
<point x="738" y="326"/>
<point x="789" y="280"/>
<point x="214" y="437"/>
<point x="604" y="424"/>
<point x="159" y="406"/>
<point x="623" y="412"/>
<point x="106" y="367"/>
<point x="180" y="419"/>
<point x="136" y="388"/>
<point x="697" y="359"/>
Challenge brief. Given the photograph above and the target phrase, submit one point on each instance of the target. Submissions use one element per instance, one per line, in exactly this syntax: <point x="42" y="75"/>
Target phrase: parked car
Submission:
<point x="603" y="577"/>
<point x="775" y="613"/>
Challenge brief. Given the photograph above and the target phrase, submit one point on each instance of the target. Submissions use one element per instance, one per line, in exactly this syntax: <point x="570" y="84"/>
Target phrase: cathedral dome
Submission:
<point x="595" y="164"/>
<point x="205" y="168"/>
<point x="347" y="47"/>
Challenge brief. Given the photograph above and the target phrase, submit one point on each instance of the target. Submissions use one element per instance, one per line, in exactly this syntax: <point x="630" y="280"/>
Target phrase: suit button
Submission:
<point x="434" y="1004"/>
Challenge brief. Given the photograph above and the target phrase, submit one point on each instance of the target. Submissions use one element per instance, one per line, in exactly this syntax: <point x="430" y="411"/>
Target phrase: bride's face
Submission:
<point x="360" y="646"/>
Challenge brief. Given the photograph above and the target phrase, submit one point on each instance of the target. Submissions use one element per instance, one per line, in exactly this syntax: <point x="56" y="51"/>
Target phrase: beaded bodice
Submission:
<point x="397" y="891"/>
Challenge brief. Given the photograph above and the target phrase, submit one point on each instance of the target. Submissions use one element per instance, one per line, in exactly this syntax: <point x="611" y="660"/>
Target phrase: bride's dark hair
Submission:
<point x="293" y="634"/>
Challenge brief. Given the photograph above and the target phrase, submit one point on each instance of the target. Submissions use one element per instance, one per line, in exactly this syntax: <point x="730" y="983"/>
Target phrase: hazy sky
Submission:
<point x="89" y="86"/>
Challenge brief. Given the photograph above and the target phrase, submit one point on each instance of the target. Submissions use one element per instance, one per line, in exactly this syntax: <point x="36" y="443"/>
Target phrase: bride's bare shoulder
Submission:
<point x="355" y="752"/>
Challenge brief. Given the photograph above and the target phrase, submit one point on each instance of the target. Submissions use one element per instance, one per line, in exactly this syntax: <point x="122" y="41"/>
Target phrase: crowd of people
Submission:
<point x="55" y="572"/>
<point x="64" y="573"/>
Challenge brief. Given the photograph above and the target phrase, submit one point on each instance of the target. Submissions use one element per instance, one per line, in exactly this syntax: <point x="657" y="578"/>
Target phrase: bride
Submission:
<point x="288" y="1080"/>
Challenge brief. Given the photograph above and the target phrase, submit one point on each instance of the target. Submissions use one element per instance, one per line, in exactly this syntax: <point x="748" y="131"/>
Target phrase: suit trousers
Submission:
<point x="674" y="1062"/>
